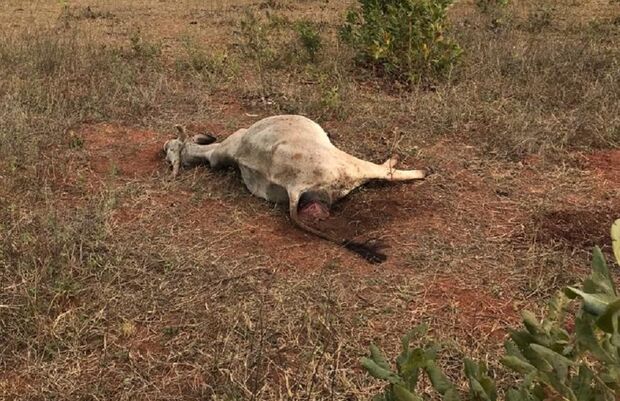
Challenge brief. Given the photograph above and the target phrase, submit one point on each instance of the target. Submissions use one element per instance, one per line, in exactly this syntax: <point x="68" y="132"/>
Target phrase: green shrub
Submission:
<point x="310" y="38"/>
<point x="254" y="36"/>
<point x="404" y="38"/>
<point x="274" y="42"/>
<point x="554" y="361"/>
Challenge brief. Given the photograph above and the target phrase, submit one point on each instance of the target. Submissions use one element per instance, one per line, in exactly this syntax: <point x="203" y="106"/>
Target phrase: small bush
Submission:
<point x="405" y="38"/>
<point x="310" y="38"/>
<point x="255" y="39"/>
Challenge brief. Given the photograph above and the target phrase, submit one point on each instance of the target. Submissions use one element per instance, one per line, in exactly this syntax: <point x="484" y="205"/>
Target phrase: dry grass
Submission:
<point x="117" y="283"/>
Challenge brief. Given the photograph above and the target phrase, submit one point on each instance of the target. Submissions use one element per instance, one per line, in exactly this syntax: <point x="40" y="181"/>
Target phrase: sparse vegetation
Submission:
<point x="564" y="356"/>
<point x="540" y="18"/>
<point x="310" y="38"/>
<point x="210" y="65"/>
<point x="87" y="13"/>
<point x="117" y="283"/>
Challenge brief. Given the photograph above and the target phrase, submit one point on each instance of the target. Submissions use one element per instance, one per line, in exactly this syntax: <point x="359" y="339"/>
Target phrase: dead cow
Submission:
<point x="290" y="159"/>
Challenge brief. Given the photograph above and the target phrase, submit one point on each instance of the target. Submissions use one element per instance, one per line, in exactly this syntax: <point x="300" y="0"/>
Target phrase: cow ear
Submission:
<point x="181" y="133"/>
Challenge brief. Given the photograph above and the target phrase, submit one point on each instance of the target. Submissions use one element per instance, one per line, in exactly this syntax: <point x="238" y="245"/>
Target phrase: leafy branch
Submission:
<point x="553" y="362"/>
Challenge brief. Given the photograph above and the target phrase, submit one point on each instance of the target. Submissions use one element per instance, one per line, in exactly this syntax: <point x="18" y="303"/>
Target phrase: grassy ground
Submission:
<point x="118" y="283"/>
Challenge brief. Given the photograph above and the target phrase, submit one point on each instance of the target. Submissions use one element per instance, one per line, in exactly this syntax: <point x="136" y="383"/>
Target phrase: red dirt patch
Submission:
<point x="578" y="228"/>
<point x="606" y="163"/>
<point x="366" y="213"/>
<point x="119" y="150"/>
<point x="475" y="310"/>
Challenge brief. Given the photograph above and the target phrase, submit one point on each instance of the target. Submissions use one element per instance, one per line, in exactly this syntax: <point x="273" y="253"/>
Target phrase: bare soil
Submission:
<point x="116" y="150"/>
<point x="607" y="164"/>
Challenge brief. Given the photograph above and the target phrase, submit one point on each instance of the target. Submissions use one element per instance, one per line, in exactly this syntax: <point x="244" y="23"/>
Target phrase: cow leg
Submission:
<point x="388" y="172"/>
<point x="403" y="175"/>
<point x="294" y="196"/>
<point x="225" y="154"/>
<point x="187" y="153"/>
<point x="365" y="172"/>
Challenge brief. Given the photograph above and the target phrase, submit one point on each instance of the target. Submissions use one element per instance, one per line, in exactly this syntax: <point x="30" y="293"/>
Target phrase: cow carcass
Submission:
<point x="290" y="159"/>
